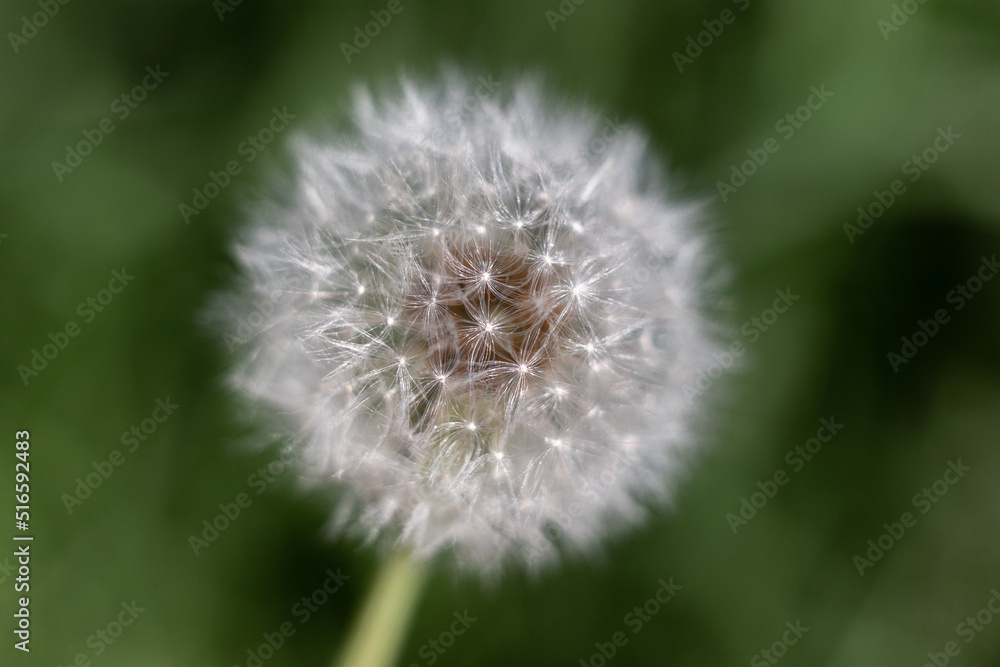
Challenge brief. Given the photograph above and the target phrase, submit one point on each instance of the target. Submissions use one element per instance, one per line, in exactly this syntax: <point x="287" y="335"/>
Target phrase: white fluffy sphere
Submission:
<point x="481" y="315"/>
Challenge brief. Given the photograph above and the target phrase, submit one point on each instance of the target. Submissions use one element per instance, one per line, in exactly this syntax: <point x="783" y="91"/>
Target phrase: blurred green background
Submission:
<point x="62" y="235"/>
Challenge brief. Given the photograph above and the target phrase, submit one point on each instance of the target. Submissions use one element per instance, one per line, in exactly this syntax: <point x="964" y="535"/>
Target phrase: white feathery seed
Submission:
<point x="483" y="322"/>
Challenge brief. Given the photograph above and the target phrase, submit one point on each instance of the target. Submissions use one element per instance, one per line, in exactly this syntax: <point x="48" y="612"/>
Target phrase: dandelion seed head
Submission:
<point x="465" y="332"/>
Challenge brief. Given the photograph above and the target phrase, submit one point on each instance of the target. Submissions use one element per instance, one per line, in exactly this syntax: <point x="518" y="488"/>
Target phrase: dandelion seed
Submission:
<point x="528" y="348"/>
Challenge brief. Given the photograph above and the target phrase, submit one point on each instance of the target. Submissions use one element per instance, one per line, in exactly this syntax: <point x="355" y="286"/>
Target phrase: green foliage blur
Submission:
<point x="709" y="105"/>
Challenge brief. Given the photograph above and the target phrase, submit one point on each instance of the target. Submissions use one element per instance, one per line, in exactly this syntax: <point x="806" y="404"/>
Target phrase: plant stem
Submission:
<point x="381" y="626"/>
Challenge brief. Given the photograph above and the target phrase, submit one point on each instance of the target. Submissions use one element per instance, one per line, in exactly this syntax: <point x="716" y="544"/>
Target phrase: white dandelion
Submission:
<point x="482" y="325"/>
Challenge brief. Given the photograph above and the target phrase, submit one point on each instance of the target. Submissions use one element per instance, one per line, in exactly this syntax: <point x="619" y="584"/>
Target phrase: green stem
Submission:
<point x="380" y="628"/>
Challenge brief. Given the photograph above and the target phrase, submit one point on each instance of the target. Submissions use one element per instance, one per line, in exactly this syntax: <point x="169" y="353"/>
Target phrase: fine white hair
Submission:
<point x="483" y="321"/>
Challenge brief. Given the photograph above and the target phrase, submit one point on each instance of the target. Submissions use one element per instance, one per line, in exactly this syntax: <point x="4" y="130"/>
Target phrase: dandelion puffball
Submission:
<point x="480" y="319"/>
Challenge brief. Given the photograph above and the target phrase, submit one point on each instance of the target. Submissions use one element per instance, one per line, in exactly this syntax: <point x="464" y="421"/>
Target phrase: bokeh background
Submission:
<point x="229" y="65"/>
